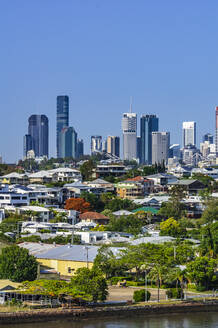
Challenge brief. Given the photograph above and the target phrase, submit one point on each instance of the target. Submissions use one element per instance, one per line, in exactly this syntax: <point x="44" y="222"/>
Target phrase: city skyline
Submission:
<point x="63" y="101"/>
<point x="166" y="58"/>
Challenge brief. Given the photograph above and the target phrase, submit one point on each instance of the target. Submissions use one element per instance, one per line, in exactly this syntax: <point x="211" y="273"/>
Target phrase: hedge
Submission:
<point x="176" y="293"/>
<point x="140" y="295"/>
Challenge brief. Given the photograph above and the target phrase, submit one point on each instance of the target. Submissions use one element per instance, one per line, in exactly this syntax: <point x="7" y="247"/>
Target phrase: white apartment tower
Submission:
<point x="96" y="144"/>
<point x="129" y="127"/>
<point x="189" y="133"/>
<point x="160" y="147"/>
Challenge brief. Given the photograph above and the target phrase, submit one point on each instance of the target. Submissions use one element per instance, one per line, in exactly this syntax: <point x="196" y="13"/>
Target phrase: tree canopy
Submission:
<point x="17" y="265"/>
<point x="91" y="282"/>
<point x="77" y="204"/>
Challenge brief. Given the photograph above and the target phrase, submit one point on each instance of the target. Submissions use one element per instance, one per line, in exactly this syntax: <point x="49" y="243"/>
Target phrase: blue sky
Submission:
<point x="101" y="52"/>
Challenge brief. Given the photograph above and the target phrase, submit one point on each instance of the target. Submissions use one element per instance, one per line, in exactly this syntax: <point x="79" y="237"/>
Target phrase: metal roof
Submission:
<point x="152" y="240"/>
<point x="76" y="253"/>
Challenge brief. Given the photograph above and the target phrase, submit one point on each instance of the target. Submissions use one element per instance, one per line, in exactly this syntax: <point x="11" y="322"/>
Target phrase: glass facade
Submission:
<point x="38" y="131"/>
<point x="148" y="124"/>
<point x="68" y="142"/>
<point x="62" y="119"/>
<point x="27" y="144"/>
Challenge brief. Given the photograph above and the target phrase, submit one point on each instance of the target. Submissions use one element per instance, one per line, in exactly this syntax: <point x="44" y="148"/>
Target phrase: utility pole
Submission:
<point x="146" y="287"/>
<point x="87" y="256"/>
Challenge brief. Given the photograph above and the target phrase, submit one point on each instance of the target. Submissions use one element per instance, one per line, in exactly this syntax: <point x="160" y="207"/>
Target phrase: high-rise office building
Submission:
<point x="96" y="144"/>
<point x="68" y="142"/>
<point x="38" y="131"/>
<point x="148" y="124"/>
<point x="104" y="145"/>
<point x="160" y="147"/>
<point x="139" y="149"/>
<point x="189" y="133"/>
<point x="129" y="127"/>
<point x="27" y="144"/>
<point x="174" y="151"/>
<point x="80" y="148"/>
<point x="113" y="145"/>
<point x="216" y="132"/>
<point x="208" y="137"/>
<point x="62" y="119"/>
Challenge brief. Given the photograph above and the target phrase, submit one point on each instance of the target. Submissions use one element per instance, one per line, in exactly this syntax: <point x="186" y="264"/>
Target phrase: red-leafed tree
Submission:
<point x="77" y="204"/>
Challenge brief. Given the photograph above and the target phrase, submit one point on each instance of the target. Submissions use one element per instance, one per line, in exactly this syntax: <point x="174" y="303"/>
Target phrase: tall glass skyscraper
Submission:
<point x="68" y="142"/>
<point x="148" y="124"/>
<point x="38" y="134"/>
<point x="189" y="133"/>
<point x="62" y="119"/>
<point x="27" y="144"/>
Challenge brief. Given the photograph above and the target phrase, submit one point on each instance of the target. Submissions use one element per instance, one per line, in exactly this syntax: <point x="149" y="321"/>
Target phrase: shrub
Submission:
<point x="135" y="283"/>
<point x="174" y="293"/>
<point x="141" y="295"/>
<point x="200" y="288"/>
<point x="115" y="280"/>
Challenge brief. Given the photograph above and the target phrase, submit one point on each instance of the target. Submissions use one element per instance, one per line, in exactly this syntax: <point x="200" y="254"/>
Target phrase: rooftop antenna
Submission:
<point x="130" y="109"/>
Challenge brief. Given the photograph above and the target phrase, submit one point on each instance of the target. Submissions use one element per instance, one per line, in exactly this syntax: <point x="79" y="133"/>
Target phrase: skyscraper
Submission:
<point x="148" y="124"/>
<point x="27" y="144"/>
<point x="68" y="142"/>
<point x="189" y="133"/>
<point x="129" y="126"/>
<point x="96" y="144"/>
<point x="216" y="132"/>
<point x="38" y="134"/>
<point x="208" y="137"/>
<point x="80" y="148"/>
<point x="160" y="147"/>
<point x="113" y="145"/>
<point x="62" y="119"/>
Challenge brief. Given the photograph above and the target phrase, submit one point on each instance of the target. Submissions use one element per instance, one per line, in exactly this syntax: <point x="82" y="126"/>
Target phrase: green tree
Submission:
<point x="210" y="214"/>
<point x="117" y="204"/>
<point x="172" y="209"/>
<point x="108" y="263"/>
<point x="91" y="282"/>
<point x="172" y="228"/>
<point x="202" y="271"/>
<point x="86" y="169"/>
<point x="205" y="179"/>
<point x="209" y="240"/>
<point x="17" y="265"/>
<point x="93" y="200"/>
<point x="129" y="224"/>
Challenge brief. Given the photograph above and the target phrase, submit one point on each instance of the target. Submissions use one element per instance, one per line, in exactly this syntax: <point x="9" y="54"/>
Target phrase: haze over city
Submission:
<point x="100" y="53"/>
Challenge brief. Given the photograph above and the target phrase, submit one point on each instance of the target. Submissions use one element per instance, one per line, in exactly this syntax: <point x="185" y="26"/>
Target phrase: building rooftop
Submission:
<point x="92" y="216"/>
<point x="37" y="248"/>
<point x="76" y="253"/>
<point x="153" y="240"/>
<point x="121" y="212"/>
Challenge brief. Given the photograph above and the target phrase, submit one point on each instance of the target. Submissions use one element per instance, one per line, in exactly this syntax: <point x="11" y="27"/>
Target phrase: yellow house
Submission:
<point x="67" y="259"/>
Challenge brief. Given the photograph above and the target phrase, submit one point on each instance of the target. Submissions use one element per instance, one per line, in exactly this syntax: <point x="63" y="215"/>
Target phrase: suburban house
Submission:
<point x="148" y="184"/>
<point x="162" y="178"/>
<point x="100" y="185"/>
<point x="103" y="170"/>
<point x="15" y="178"/>
<point x="94" y="217"/>
<point x="192" y="187"/>
<point x="129" y="189"/>
<point x="37" y="213"/>
<point x="68" y="258"/>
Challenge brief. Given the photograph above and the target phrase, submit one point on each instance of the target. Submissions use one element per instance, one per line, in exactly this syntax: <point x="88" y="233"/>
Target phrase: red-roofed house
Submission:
<point x="94" y="217"/>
